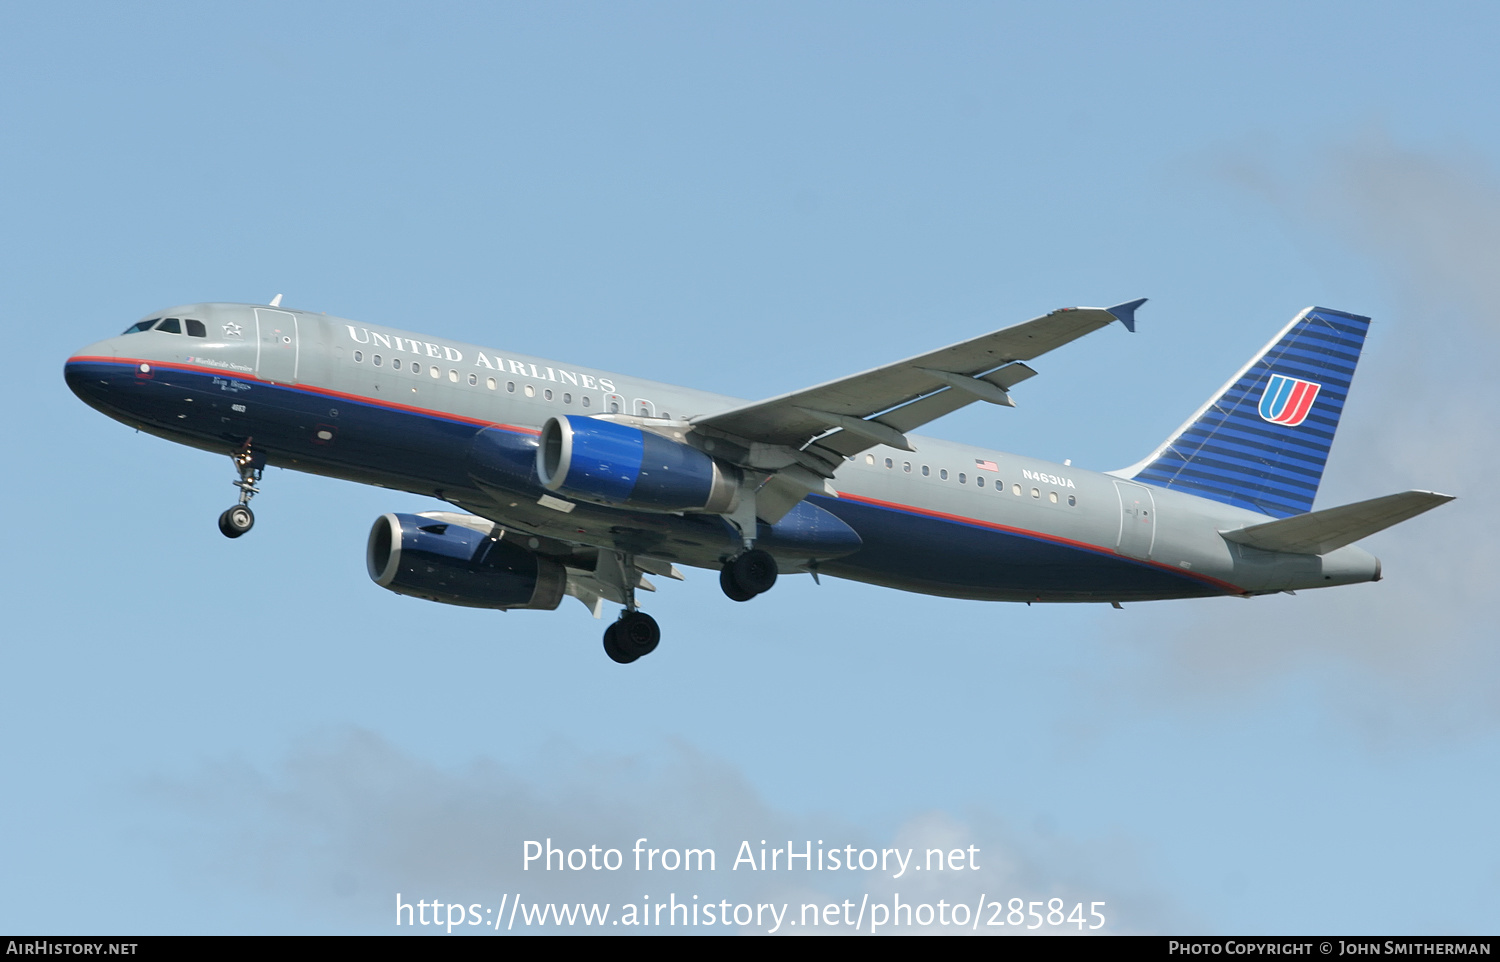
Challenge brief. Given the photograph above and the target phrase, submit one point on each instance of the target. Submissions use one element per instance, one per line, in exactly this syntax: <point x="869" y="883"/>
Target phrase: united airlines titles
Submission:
<point x="493" y="362"/>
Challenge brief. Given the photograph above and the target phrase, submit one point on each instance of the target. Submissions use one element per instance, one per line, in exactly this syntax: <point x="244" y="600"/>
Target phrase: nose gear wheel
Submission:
<point x="236" y="521"/>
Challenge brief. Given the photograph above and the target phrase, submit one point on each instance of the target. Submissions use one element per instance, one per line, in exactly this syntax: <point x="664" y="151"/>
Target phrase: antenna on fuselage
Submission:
<point x="276" y="301"/>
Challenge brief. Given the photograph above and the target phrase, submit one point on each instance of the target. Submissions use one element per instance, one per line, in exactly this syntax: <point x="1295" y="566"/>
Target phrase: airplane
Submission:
<point x="567" y="480"/>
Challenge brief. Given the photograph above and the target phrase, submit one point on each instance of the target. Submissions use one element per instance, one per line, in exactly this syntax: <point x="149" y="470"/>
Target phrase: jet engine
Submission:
<point x="441" y="560"/>
<point x="598" y="460"/>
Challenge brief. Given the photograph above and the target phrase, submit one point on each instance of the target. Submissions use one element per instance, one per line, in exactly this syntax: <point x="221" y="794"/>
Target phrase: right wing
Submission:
<point x="879" y="406"/>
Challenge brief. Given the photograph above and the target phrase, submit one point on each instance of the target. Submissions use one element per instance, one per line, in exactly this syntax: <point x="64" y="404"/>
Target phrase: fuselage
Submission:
<point x="460" y="423"/>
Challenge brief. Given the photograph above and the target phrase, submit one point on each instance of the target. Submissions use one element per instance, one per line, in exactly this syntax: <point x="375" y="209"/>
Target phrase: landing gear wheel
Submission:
<point x="753" y="572"/>
<point x="236" y="521"/>
<point x="637" y="634"/>
<point x="634" y="635"/>
<point x="733" y="590"/>
<point x="612" y="646"/>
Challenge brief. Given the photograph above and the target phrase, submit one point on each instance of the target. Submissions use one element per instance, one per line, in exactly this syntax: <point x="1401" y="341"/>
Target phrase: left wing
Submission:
<point x="851" y="414"/>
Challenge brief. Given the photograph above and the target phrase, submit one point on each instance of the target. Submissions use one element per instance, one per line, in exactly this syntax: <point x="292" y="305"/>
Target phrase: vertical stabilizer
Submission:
<point x="1262" y="441"/>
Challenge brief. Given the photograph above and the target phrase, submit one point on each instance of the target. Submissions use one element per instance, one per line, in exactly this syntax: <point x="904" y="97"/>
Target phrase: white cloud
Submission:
<point x="347" y="821"/>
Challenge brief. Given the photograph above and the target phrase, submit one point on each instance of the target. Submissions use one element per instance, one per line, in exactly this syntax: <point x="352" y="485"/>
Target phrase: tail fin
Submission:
<point x="1262" y="441"/>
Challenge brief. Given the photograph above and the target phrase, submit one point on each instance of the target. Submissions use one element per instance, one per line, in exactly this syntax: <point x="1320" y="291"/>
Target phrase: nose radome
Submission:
<point x="82" y="370"/>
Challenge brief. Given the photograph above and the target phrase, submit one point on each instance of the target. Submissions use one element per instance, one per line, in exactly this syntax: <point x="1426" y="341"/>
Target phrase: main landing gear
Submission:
<point x="240" y="519"/>
<point x="634" y="635"/>
<point x="747" y="575"/>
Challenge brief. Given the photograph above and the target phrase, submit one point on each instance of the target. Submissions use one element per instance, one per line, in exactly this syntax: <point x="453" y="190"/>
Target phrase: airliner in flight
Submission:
<point x="566" y="480"/>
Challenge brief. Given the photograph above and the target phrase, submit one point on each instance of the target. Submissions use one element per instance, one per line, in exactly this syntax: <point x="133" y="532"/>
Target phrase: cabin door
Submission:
<point x="1137" y="520"/>
<point x="276" y="350"/>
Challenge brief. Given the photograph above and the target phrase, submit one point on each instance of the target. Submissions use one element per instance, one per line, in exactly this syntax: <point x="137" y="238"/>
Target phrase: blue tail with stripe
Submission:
<point x="1261" y="443"/>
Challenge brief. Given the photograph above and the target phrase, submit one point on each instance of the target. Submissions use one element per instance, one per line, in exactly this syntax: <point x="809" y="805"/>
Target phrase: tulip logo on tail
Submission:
<point x="1287" y="400"/>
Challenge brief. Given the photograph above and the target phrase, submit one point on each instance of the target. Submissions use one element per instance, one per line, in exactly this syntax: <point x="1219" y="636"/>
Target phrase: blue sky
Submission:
<point x="212" y="736"/>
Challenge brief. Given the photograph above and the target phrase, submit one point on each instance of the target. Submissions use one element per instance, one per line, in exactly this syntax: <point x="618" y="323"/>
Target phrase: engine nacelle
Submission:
<point x="600" y="460"/>
<point x="457" y="565"/>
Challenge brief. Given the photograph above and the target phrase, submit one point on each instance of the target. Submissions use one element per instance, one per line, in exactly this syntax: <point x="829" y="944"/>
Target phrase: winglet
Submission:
<point x="1125" y="313"/>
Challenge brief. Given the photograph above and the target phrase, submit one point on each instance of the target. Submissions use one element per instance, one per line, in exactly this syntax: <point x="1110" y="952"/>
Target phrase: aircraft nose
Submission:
<point x="87" y="372"/>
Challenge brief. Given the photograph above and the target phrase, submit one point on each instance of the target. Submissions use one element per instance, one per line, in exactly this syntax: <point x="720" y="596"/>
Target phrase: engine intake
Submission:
<point x="457" y="565"/>
<point x="619" y="464"/>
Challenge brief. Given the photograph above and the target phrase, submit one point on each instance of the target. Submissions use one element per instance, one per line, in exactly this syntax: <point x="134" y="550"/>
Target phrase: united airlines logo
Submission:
<point x="1287" y="400"/>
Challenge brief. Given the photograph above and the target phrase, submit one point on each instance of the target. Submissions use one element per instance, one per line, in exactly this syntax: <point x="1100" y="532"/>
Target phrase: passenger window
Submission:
<point x="906" y="466"/>
<point x="1015" y="489"/>
<point x="416" y="369"/>
<point x="585" y="400"/>
<point x="377" y="360"/>
<point x="359" y="357"/>
<point x="869" y="459"/>
<point x="963" y="478"/>
<point x="567" y="399"/>
<point x="943" y="474"/>
<point x="1072" y="501"/>
<point x="510" y="387"/>
<point x="489" y="382"/>
<point x="926" y="471"/>
<point x="1052" y="496"/>
<point x="1035" y="493"/>
<point x="195" y="328"/>
<point x="171" y="326"/>
<point x="395" y="364"/>
<point x="530" y="390"/>
<point x="473" y="378"/>
<point x="434" y="371"/>
<point x="452" y="375"/>
<point x="547" y="394"/>
<point x="978" y="479"/>
<point x="139" y="326"/>
<point x="889" y="463"/>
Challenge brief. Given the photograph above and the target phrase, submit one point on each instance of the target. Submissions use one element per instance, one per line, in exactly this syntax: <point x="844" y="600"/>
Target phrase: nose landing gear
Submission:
<point x="239" y="519"/>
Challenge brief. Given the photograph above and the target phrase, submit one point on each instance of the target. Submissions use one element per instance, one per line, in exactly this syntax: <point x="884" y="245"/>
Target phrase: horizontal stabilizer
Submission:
<point x="1323" y="531"/>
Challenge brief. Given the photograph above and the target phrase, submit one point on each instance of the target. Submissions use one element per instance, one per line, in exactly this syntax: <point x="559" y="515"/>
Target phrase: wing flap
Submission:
<point x="1320" y="532"/>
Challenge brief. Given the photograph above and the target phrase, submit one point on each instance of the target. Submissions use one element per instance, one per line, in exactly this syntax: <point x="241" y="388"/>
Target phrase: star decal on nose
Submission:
<point x="231" y="329"/>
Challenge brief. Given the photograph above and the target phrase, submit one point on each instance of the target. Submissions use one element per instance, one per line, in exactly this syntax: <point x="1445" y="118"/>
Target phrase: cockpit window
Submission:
<point x="170" y="326"/>
<point x="195" y="328"/>
<point x="139" y="326"/>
